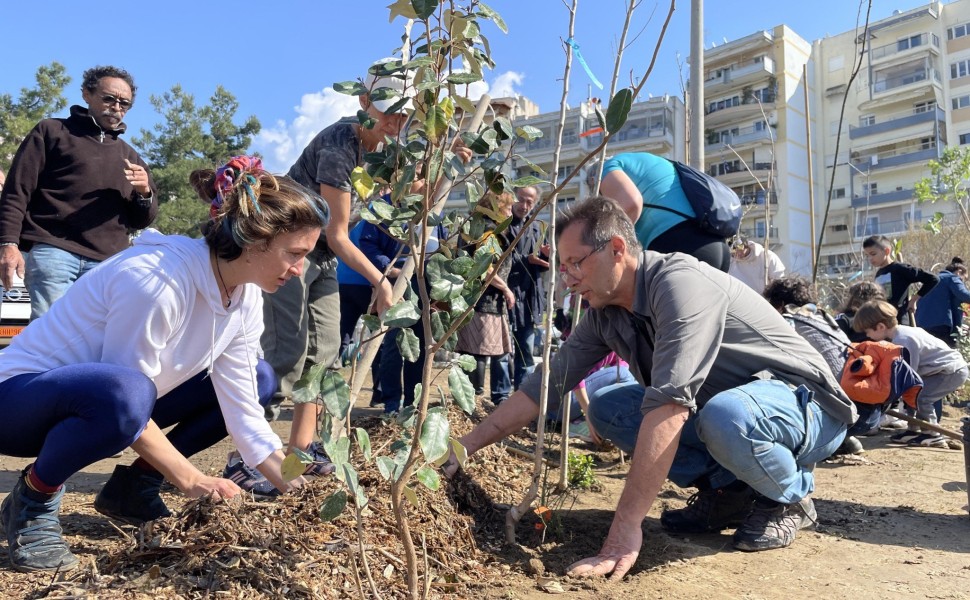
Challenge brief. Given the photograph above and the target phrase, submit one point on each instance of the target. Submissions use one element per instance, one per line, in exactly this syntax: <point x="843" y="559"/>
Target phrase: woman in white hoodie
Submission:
<point x="165" y="333"/>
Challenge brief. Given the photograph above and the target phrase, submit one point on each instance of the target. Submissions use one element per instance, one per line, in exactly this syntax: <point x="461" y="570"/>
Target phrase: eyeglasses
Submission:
<point x="575" y="269"/>
<point x="112" y="100"/>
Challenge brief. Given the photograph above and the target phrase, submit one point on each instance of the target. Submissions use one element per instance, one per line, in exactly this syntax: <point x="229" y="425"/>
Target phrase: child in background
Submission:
<point x="941" y="311"/>
<point x="943" y="369"/>
<point x="896" y="277"/>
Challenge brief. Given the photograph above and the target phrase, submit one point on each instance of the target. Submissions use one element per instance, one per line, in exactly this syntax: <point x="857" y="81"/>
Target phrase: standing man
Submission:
<point x="74" y="191"/>
<point x="730" y="398"/>
<point x="755" y="265"/>
<point x="526" y="283"/>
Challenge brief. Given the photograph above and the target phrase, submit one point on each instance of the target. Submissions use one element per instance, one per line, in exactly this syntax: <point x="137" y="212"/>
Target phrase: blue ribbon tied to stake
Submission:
<point x="574" y="48"/>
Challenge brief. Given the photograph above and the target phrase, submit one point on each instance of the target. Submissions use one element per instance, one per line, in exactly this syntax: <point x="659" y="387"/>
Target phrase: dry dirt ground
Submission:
<point x="893" y="524"/>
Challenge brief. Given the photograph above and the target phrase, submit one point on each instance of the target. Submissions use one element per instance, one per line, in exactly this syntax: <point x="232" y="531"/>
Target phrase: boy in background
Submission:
<point x="896" y="277"/>
<point x="942" y="368"/>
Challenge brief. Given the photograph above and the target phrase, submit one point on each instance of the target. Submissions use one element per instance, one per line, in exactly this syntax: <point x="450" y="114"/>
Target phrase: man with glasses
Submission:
<point x="729" y="398"/>
<point x="74" y="192"/>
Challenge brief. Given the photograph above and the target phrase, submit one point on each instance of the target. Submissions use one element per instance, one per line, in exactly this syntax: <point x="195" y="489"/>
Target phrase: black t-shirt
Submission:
<point x="895" y="279"/>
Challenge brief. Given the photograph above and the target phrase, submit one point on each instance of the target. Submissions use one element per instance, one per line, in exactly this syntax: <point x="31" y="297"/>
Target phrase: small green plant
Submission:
<point x="581" y="474"/>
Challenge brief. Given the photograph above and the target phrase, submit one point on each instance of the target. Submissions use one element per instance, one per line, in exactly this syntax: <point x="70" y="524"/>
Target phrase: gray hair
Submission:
<point x="602" y="220"/>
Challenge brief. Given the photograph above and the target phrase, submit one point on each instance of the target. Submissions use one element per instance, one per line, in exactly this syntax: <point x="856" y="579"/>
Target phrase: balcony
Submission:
<point x="743" y="136"/>
<point x="739" y="75"/>
<point x="757" y="198"/>
<point x="758" y="233"/>
<point x="921" y="42"/>
<point x="889" y="84"/>
<point x="898" y="121"/>
<point x="884" y="198"/>
<point x="864" y="230"/>
<point x="898" y="157"/>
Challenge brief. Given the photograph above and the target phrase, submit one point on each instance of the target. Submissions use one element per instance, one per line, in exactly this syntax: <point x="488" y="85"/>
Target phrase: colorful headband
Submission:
<point x="239" y="170"/>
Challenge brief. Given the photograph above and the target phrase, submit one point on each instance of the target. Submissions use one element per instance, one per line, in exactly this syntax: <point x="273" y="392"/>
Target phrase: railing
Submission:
<point x="766" y="64"/>
<point x="758" y="233"/>
<point x="920" y="41"/>
<point x="757" y="198"/>
<point x="862" y="200"/>
<point x="895" y="158"/>
<point x="717" y="170"/>
<point x="892" y="83"/>
<point x="766" y="98"/>
<point x="883" y="227"/>
<point x="897" y="121"/>
<point x="743" y="136"/>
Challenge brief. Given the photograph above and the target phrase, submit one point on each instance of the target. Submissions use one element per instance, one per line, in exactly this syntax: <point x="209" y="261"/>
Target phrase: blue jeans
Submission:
<point x="523" y="353"/>
<point x="763" y="433"/>
<point x="869" y="417"/>
<point x="397" y="377"/>
<point x="48" y="272"/>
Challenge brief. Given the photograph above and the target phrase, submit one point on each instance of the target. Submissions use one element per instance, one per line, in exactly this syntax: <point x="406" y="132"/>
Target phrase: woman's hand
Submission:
<point x="216" y="488"/>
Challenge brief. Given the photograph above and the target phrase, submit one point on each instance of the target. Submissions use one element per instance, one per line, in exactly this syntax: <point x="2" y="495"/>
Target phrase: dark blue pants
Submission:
<point x="523" y="353"/>
<point x="398" y="376"/>
<point x="72" y="416"/>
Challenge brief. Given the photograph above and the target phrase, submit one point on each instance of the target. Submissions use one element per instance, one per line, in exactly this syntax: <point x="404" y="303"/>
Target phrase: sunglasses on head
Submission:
<point x="112" y="100"/>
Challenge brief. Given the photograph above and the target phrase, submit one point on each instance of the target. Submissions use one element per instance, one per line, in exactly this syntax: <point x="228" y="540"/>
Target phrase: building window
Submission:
<point x="836" y="63"/>
<point x="922" y="107"/>
<point x="873" y="188"/>
<point x="964" y="139"/>
<point x="956" y="32"/>
<point x="867" y="120"/>
<point x="959" y="69"/>
<point x="961" y="102"/>
<point x="838" y="192"/>
<point x="909" y="42"/>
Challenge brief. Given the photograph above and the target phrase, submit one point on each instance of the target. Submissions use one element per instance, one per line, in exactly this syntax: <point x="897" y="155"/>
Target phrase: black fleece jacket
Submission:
<point x="67" y="188"/>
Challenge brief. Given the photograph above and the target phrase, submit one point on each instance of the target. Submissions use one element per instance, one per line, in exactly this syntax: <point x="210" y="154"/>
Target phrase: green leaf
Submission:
<point x="402" y="8"/>
<point x="461" y="453"/>
<point x="440" y="322"/>
<point x="382" y="209"/>
<point x="353" y="484"/>
<point x="402" y="314"/>
<point x="467" y="362"/>
<point x="363" y="442"/>
<point x="460" y="265"/>
<point x="372" y="322"/>
<point x="424" y="8"/>
<point x="464" y="103"/>
<point x="412" y="497"/>
<point x="292" y="467"/>
<point x="429" y="477"/>
<point x="338" y="451"/>
<point x="365" y="120"/>
<point x="387" y="467"/>
<point x="600" y="117"/>
<point x="409" y="345"/>
<point x="619" y="109"/>
<point x="463" y="78"/>
<point x="535" y="168"/>
<point x="446" y="287"/>
<point x="436" y="123"/>
<point x="526" y="181"/>
<point x="462" y="389"/>
<point x="333" y="506"/>
<point x="307" y="389"/>
<point x="350" y="88"/>
<point x="490" y="14"/>
<point x="503" y="128"/>
<point x="336" y="394"/>
<point x="528" y="133"/>
<point x="362" y="182"/>
<point x="434" y="435"/>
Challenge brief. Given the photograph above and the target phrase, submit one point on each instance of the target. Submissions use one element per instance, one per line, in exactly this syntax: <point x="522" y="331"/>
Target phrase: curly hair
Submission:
<point x="790" y="289"/>
<point x="254" y="209"/>
<point x="91" y="77"/>
<point x="861" y="292"/>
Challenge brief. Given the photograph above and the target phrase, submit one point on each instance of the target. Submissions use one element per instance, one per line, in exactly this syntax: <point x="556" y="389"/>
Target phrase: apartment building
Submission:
<point x="756" y="136"/>
<point x="911" y="98"/>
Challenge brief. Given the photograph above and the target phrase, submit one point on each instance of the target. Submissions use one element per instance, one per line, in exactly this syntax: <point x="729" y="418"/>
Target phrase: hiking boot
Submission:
<point x="929" y="440"/>
<point x="774" y="525"/>
<point x="131" y="496"/>
<point x="321" y="462"/>
<point x="903" y="438"/>
<point x="30" y="520"/>
<point x="249" y="479"/>
<point x="850" y="445"/>
<point x="711" y="510"/>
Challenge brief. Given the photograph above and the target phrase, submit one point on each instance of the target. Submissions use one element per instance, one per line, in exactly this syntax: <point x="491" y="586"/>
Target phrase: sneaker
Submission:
<point x="131" y="496"/>
<point x="890" y="422"/>
<point x="903" y="438"/>
<point x="33" y="529"/>
<point x="773" y="525"/>
<point x="248" y="479"/>
<point x="929" y="440"/>
<point x="711" y="510"/>
<point x="851" y="445"/>
<point x="321" y="462"/>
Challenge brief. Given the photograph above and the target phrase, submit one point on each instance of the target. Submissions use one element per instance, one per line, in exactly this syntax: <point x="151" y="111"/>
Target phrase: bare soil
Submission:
<point x="892" y="524"/>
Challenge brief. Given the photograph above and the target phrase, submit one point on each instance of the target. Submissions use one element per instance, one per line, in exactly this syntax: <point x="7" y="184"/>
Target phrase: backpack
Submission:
<point x="717" y="208"/>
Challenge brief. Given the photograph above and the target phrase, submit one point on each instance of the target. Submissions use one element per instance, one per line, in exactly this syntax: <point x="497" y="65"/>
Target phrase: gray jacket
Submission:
<point x="694" y="332"/>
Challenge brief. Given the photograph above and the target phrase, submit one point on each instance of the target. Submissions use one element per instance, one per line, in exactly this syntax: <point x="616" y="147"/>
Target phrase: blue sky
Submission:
<point x="280" y="59"/>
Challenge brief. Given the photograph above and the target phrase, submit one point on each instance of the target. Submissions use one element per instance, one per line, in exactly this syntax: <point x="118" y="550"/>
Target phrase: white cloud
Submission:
<point x="282" y="143"/>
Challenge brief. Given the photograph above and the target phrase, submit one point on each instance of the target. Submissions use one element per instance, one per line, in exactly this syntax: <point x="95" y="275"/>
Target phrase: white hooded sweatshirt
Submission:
<point x="753" y="268"/>
<point x="156" y="308"/>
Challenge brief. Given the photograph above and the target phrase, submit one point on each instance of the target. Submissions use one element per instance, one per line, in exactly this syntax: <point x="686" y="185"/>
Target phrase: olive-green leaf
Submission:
<point x="434" y="435"/>
<point x="446" y="287"/>
<point x="307" y="389"/>
<point x="383" y="210"/>
<point x="402" y="314"/>
<point x="600" y="117"/>
<point x="338" y="451"/>
<point x="412" y="497"/>
<point x="526" y="181"/>
<point x="292" y="467"/>
<point x="333" y="506"/>
<point x="461" y="389"/>
<point x="402" y="8"/>
<point x="408" y="344"/>
<point x="363" y="442"/>
<point x="387" y="467"/>
<point x="463" y="78"/>
<point x="461" y="453"/>
<point x="619" y="109"/>
<point x="371" y="322"/>
<point x="503" y="128"/>
<point x="429" y="477"/>
<point x="528" y="133"/>
<point x="467" y="362"/>
<point x="436" y="122"/>
<point x="351" y="88"/>
<point x="335" y="393"/>
<point x="424" y="8"/>
<point x="489" y="13"/>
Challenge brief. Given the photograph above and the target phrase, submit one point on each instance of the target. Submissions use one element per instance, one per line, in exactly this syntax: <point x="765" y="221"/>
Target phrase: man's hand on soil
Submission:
<point x="618" y="554"/>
